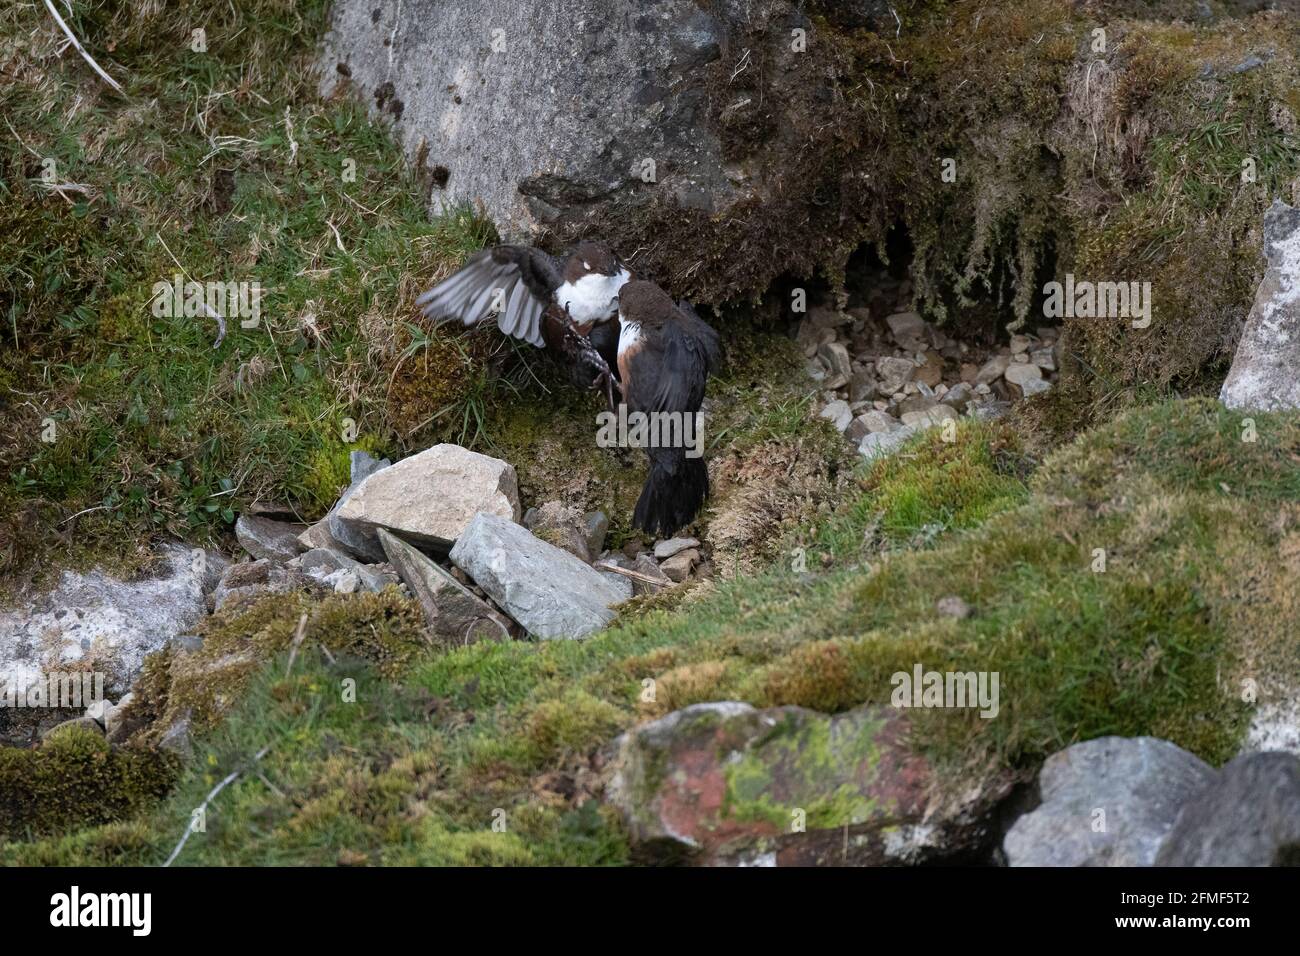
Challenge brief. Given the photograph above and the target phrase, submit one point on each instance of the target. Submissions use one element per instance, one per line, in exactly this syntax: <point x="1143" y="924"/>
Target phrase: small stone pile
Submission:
<point x="886" y="373"/>
<point x="445" y="527"/>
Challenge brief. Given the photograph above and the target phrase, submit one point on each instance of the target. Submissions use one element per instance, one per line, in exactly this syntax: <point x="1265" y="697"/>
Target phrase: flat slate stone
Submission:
<point x="455" y="615"/>
<point x="547" y="590"/>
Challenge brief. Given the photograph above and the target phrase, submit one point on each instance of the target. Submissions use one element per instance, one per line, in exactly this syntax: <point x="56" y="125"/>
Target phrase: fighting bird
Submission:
<point x="665" y="354"/>
<point x="565" y="307"/>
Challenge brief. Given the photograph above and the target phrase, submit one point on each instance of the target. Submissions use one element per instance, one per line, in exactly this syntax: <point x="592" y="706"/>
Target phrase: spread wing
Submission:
<point x="516" y="283"/>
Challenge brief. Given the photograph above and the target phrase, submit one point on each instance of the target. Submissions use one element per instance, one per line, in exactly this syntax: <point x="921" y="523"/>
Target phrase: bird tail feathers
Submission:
<point x="673" y="494"/>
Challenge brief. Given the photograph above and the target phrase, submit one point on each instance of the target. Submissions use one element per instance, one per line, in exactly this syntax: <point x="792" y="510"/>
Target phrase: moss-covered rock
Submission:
<point x="723" y="782"/>
<point x="75" y="779"/>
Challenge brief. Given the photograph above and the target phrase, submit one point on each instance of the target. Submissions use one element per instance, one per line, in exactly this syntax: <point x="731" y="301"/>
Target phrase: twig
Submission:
<point x="628" y="573"/>
<point x="297" y="642"/>
<point x="230" y="778"/>
<point x="81" y="49"/>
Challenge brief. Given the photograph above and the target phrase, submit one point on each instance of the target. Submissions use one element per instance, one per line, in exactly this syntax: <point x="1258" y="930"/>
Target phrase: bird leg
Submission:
<point x="588" y="351"/>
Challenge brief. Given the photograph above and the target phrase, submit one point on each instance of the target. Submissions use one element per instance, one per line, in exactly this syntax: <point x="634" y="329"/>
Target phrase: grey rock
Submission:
<point x="666" y="549"/>
<point x="934" y="415"/>
<point x="1022" y="373"/>
<point x="879" y="444"/>
<point x="253" y="579"/>
<point x="958" y="397"/>
<point x="624" y="585"/>
<point x="1139" y="783"/>
<point x="186" y="643"/>
<point x="455" y="616"/>
<point x="427" y="499"/>
<point x="546" y="589"/>
<point x="344" y="581"/>
<point x="322" y="563"/>
<point x="176" y="737"/>
<point x="264" y="538"/>
<point x="838" y="414"/>
<point x="1035" y="386"/>
<point x="893" y="373"/>
<point x="909" y="330"/>
<point x="361" y="465"/>
<point x="678" y="568"/>
<point x="596" y="525"/>
<point x="650" y="568"/>
<point x="862" y="386"/>
<point x="1265" y="372"/>
<point x="562" y="525"/>
<point x="992" y="370"/>
<point x="836" y="358"/>
<point x="1248" y="816"/>
<point x="878" y="421"/>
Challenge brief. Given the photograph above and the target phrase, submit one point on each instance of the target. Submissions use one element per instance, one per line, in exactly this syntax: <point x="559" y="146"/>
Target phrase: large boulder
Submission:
<point x="1265" y="372"/>
<point x="546" y="589"/>
<point x="455" y="615"/>
<point x="681" y="130"/>
<point x="1106" y="802"/>
<point x="726" y="783"/>
<point x="428" y="499"/>
<point x="1249" y="816"/>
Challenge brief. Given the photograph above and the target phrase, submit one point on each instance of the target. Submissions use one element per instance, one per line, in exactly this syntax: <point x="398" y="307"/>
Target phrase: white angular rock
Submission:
<point x="928" y="418"/>
<point x="1020" y="373"/>
<point x="546" y="589"/>
<point x="429" y="498"/>
<point x="838" y="414"/>
<point x="1265" y="372"/>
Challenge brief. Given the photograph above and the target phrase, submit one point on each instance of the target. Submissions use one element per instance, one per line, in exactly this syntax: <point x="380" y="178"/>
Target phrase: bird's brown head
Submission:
<point x="643" y="301"/>
<point x="590" y="257"/>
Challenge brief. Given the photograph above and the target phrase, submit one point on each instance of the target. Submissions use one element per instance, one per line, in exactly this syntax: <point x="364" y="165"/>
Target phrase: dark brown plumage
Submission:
<point x="665" y="354"/>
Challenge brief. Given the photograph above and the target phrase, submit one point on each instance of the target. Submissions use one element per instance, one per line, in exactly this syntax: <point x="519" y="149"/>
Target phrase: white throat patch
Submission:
<point x="629" y="335"/>
<point x="593" y="298"/>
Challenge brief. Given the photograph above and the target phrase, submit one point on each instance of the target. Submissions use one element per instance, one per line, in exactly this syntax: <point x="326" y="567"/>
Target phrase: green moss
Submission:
<point x="75" y="779"/>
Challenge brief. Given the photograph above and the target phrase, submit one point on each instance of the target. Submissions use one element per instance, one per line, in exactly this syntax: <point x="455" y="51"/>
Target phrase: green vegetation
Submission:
<point x="221" y="165"/>
<point x="1200" y="533"/>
